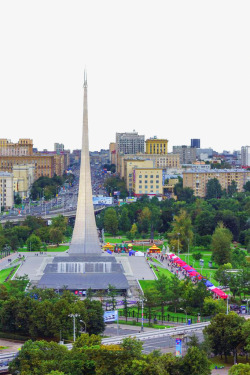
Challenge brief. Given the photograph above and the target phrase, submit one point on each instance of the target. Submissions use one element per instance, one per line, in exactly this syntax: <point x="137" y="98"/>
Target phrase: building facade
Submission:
<point x="130" y="165"/>
<point x="156" y="146"/>
<point x="160" y="161"/>
<point x="23" y="147"/>
<point x="197" y="180"/>
<point x="245" y="156"/>
<point x="195" y="143"/>
<point x="147" y="181"/>
<point x="6" y="190"/>
<point x="58" y="147"/>
<point x="187" y="154"/>
<point x="23" y="178"/>
<point x="130" y="143"/>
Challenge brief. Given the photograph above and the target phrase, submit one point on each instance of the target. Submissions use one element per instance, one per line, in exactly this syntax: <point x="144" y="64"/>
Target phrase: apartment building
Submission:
<point x="187" y="154"/>
<point x="156" y="146"/>
<point x="23" y="147"/>
<point x="245" y="156"/>
<point x="197" y="180"/>
<point x="23" y="178"/>
<point x="147" y="181"/>
<point x="6" y="190"/>
<point x="129" y="167"/>
<point x="130" y="143"/>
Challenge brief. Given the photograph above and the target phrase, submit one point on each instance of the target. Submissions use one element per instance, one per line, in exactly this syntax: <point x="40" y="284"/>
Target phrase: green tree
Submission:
<point x="144" y="218"/>
<point x="132" y="347"/>
<point x="225" y="334"/>
<point x="213" y="306"/>
<point x="221" y="242"/>
<point x="133" y="232"/>
<point x="111" y="221"/>
<point x="213" y="189"/>
<point x="162" y="287"/>
<point x="124" y="221"/>
<point x="56" y="235"/>
<point x="175" y="291"/>
<point x="246" y="187"/>
<point x="33" y="243"/>
<point x="240" y="369"/>
<point x="181" y="234"/>
<point x="195" y="362"/>
<point x="232" y="189"/>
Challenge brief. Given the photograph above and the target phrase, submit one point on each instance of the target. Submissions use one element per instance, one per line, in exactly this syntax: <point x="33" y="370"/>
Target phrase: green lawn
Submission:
<point x="146" y="284"/>
<point x="163" y="271"/>
<point x="50" y="249"/>
<point x="5" y="273"/>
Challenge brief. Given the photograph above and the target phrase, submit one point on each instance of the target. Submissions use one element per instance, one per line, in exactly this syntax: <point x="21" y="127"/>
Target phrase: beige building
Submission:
<point x="197" y="180"/>
<point x="23" y="147"/>
<point x="130" y="166"/>
<point x="147" y="181"/>
<point x="6" y="190"/>
<point x="160" y="161"/>
<point x="112" y="152"/>
<point x="156" y="146"/>
<point x="44" y="164"/>
<point x="23" y="178"/>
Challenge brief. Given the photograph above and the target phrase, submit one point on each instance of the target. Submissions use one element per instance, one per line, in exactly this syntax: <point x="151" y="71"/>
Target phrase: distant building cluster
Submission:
<point x="149" y="168"/>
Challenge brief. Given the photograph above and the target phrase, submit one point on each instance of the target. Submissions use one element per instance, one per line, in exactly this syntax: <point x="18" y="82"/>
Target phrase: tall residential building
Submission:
<point x="130" y="166"/>
<point x="130" y="143"/>
<point x="23" y="178"/>
<point x="197" y="180"/>
<point x="147" y="181"/>
<point x="195" y="143"/>
<point x="245" y="156"/>
<point x="6" y="190"/>
<point x="187" y="154"/>
<point x="156" y="146"/>
<point x="23" y="147"/>
<point x="112" y="153"/>
<point x="58" y="147"/>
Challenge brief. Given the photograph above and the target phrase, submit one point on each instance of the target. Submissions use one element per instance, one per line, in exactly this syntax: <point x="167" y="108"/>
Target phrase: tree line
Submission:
<point x="34" y="233"/>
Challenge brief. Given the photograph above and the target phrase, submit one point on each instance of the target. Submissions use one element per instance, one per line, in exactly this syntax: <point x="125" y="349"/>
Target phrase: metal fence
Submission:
<point x="160" y="318"/>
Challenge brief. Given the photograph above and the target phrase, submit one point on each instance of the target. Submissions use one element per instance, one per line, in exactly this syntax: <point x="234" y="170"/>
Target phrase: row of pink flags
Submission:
<point x="193" y="273"/>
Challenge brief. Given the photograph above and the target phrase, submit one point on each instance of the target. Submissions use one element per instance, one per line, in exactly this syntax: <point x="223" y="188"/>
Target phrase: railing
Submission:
<point x="159" y="317"/>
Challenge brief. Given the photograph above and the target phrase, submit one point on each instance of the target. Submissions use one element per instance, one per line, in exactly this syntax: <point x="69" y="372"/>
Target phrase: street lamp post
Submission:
<point x="74" y="316"/>
<point x="228" y="296"/>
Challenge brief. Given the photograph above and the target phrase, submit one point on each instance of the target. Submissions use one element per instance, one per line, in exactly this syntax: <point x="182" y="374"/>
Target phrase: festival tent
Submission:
<point x="208" y="283"/>
<point x="176" y="260"/>
<point x="187" y="268"/>
<point x="139" y="254"/>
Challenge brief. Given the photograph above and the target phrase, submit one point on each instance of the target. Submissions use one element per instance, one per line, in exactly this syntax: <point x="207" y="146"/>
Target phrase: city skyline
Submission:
<point x="177" y="71"/>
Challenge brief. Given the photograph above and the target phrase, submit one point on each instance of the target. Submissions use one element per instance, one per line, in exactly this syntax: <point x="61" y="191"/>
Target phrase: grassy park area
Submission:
<point x="5" y="273"/>
<point x="60" y="248"/>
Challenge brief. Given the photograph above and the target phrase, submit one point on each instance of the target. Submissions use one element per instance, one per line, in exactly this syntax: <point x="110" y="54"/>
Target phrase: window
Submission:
<point x="157" y="176"/>
<point x="140" y="181"/>
<point x="157" y="181"/>
<point x="146" y="186"/>
<point x="146" y="181"/>
<point x="146" y="176"/>
<point x="157" y="186"/>
<point x="152" y="186"/>
<point x="140" y="176"/>
<point x="140" y="186"/>
<point x="151" y="176"/>
<point x="151" y="181"/>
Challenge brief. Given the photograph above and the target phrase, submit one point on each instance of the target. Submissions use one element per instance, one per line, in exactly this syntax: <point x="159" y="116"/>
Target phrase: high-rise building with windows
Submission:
<point x="196" y="143"/>
<point x="130" y="143"/>
<point x="187" y="154"/>
<point x="245" y="156"/>
<point x="156" y="146"/>
<point x="23" y="147"/>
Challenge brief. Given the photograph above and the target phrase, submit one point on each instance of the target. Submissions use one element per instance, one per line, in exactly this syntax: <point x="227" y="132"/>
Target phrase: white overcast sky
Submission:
<point x="174" y="69"/>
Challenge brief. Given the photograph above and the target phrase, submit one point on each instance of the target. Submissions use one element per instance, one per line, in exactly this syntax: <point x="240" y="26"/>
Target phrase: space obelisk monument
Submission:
<point x="85" y="238"/>
<point x="85" y="266"/>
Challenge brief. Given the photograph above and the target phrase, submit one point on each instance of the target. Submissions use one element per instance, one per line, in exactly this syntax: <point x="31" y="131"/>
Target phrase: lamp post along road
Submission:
<point x="74" y="316"/>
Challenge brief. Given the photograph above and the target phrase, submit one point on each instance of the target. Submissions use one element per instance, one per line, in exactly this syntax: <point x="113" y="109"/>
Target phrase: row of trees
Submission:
<point x="88" y="356"/>
<point x="45" y="314"/>
<point x="198" y="224"/>
<point x="48" y="187"/>
<point x="178" y="296"/>
<point x="33" y="232"/>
